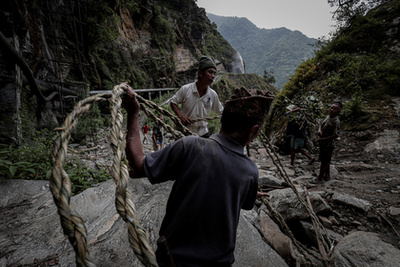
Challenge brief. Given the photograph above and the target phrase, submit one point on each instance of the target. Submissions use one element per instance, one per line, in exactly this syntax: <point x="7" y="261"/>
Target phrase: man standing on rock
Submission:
<point x="328" y="132"/>
<point x="198" y="99"/>
<point x="213" y="180"/>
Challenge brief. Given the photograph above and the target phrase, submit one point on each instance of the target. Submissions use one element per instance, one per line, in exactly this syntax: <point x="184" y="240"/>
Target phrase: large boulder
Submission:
<point x="352" y="201"/>
<point x="365" y="249"/>
<point x="30" y="229"/>
<point x="274" y="236"/>
<point x="251" y="249"/>
<point x="286" y="202"/>
<point x="387" y="141"/>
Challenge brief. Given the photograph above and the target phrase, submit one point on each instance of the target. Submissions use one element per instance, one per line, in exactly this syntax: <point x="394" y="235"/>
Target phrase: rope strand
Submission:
<point x="321" y="231"/>
<point x="60" y="183"/>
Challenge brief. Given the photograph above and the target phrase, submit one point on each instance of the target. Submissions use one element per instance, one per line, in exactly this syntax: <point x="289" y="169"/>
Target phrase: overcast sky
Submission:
<point x="311" y="17"/>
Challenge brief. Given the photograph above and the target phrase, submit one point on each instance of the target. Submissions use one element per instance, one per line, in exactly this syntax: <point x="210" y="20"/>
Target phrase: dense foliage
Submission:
<point x="363" y="56"/>
<point x="115" y="32"/>
<point x="347" y="10"/>
<point x="359" y="66"/>
<point x="32" y="161"/>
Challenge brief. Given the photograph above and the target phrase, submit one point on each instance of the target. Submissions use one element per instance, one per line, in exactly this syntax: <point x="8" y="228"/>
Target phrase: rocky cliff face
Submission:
<point x="83" y="44"/>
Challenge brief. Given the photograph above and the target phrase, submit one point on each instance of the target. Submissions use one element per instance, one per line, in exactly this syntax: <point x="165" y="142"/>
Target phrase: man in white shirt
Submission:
<point x="198" y="99"/>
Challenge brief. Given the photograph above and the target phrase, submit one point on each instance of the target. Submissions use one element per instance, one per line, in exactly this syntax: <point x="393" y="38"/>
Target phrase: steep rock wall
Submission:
<point x="85" y="44"/>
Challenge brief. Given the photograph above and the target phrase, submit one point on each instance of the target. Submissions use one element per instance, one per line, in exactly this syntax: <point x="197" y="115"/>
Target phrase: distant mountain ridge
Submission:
<point x="278" y="51"/>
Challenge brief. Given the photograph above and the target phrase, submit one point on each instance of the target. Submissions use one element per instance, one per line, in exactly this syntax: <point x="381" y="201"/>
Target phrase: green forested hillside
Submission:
<point x="277" y="51"/>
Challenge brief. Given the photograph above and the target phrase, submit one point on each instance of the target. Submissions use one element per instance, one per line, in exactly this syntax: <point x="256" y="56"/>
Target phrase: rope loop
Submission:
<point x="60" y="183"/>
<point x="320" y="230"/>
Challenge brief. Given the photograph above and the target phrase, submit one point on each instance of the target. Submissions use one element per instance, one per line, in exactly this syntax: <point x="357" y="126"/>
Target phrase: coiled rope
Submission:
<point x="60" y="183"/>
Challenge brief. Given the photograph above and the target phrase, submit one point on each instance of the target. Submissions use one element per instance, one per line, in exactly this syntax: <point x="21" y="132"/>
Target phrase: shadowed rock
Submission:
<point x="365" y="249"/>
<point x="31" y="230"/>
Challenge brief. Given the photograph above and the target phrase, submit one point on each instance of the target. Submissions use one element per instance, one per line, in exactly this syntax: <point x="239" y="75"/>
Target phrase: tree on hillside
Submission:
<point x="268" y="76"/>
<point x="346" y="10"/>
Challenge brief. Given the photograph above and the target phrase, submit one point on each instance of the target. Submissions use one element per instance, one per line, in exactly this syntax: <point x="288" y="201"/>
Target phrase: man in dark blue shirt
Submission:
<point x="214" y="180"/>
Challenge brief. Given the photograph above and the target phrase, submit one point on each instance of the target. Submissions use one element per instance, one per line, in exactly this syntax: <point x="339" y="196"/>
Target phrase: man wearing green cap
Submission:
<point x="197" y="99"/>
<point x="213" y="181"/>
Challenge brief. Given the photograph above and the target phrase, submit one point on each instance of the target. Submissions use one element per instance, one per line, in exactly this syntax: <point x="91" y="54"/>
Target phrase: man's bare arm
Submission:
<point x="184" y="119"/>
<point x="133" y="150"/>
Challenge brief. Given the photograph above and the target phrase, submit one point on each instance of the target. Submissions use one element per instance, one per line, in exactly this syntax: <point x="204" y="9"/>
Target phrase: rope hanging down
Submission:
<point x="320" y="232"/>
<point x="60" y="183"/>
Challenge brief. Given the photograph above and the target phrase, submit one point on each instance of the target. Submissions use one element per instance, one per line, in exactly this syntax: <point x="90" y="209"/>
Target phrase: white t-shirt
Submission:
<point x="196" y="107"/>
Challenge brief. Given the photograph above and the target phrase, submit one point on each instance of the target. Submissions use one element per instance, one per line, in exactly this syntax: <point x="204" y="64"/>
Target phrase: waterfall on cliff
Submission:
<point x="237" y="63"/>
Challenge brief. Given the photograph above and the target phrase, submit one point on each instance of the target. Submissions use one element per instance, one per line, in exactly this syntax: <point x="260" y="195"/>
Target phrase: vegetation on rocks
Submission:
<point x="349" y="67"/>
<point x="99" y="44"/>
<point x="32" y="161"/>
<point x="359" y="66"/>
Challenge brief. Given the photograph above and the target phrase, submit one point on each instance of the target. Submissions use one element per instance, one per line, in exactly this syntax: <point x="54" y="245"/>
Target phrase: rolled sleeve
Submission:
<point x="250" y="199"/>
<point x="163" y="165"/>
<point x="177" y="98"/>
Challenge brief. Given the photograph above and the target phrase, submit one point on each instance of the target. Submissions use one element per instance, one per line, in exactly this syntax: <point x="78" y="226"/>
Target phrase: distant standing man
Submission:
<point x="198" y="99"/>
<point x="158" y="139"/>
<point x="327" y="133"/>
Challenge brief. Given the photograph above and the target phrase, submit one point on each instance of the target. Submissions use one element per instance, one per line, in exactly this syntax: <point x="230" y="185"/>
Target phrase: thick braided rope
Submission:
<point x="174" y="118"/>
<point x="165" y="112"/>
<point x="208" y="118"/>
<point x="137" y="235"/>
<point x="60" y="185"/>
<point x="324" y="236"/>
<point x="168" y="128"/>
<point x="284" y="175"/>
<point x="285" y="228"/>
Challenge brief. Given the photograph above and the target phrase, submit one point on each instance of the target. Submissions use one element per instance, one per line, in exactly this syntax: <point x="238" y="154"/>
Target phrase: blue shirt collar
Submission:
<point x="228" y="142"/>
